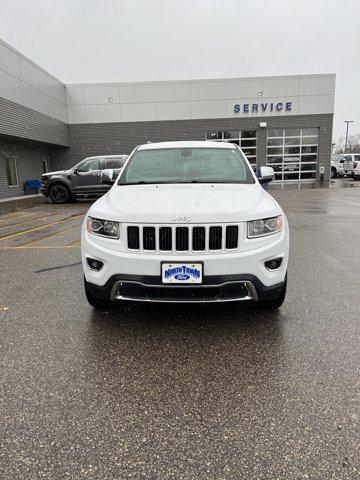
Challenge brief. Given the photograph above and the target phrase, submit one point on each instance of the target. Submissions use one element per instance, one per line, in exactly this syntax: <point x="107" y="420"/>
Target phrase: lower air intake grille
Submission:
<point x="135" y="291"/>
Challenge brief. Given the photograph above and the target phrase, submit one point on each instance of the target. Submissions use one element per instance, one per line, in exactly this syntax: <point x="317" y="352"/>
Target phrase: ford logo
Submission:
<point x="181" y="276"/>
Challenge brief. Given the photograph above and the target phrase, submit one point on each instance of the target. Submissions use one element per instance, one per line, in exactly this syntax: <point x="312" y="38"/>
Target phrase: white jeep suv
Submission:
<point x="186" y="222"/>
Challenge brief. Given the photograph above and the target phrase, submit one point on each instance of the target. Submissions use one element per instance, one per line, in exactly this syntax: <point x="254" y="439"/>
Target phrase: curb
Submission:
<point x="21" y="203"/>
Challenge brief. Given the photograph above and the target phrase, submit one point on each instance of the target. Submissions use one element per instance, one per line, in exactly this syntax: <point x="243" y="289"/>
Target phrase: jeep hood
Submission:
<point x="199" y="203"/>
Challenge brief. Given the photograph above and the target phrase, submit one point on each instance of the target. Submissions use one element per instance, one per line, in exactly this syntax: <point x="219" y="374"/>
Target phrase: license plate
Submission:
<point x="182" y="273"/>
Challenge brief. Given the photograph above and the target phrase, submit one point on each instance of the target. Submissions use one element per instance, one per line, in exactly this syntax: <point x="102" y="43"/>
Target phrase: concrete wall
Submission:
<point x="28" y="156"/>
<point x="197" y="99"/>
<point x="23" y="122"/>
<point x="122" y="137"/>
<point x="25" y="83"/>
<point x="32" y="102"/>
<point x="33" y="116"/>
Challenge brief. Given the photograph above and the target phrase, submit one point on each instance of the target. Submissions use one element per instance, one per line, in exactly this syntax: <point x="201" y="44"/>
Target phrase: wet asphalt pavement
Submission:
<point x="181" y="392"/>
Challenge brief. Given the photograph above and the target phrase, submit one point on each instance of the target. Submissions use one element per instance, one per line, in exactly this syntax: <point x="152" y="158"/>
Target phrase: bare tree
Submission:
<point x="353" y="145"/>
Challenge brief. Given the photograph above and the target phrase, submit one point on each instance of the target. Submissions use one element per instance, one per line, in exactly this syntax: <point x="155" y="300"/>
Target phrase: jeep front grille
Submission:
<point x="194" y="238"/>
<point x="232" y="234"/>
<point x="165" y="239"/>
<point x="182" y="239"/>
<point x="133" y="238"/>
<point x="215" y="238"/>
<point x="198" y="239"/>
<point x="149" y="238"/>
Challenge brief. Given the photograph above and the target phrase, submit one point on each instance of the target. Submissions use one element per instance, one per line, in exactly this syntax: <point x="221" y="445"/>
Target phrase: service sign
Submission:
<point x="262" y="107"/>
<point x="182" y="273"/>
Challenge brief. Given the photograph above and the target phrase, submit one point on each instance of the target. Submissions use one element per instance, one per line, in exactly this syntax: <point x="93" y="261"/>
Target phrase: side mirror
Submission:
<point x="266" y="174"/>
<point x="108" y="177"/>
<point x="75" y="171"/>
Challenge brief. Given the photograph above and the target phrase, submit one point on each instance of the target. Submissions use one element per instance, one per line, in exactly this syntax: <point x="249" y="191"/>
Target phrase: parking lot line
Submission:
<point x="19" y="214"/>
<point x="39" y="247"/>
<point x="29" y="220"/>
<point x="53" y="234"/>
<point x="15" y="216"/>
<point x="66" y="205"/>
<point x="72" y="217"/>
<point x="76" y="243"/>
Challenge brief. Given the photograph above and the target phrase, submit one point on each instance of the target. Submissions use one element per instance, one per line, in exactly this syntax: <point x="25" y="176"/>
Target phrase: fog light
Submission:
<point x="94" y="264"/>
<point x="273" y="264"/>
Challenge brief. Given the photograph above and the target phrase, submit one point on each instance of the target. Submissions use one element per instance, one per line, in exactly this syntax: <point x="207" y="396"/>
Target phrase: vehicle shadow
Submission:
<point x="184" y="317"/>
<point x="179" y="335"/>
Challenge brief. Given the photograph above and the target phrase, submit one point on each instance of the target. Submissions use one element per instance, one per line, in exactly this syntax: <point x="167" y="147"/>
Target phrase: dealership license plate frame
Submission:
<point x="173" y="281"/>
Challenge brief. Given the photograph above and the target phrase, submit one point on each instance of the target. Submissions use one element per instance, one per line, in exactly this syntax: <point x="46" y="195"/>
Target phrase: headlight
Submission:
<point x="105" y="228"/>
<point x="265" y="226"/>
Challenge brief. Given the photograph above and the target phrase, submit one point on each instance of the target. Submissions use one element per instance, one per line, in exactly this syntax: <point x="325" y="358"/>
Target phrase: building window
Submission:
<point x="11" y="171"/>
<point x="293" y="153"/>
<point x="245" y="139"/>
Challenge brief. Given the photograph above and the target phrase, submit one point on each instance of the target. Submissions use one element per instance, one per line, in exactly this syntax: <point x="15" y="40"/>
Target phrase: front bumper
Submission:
<point x="228" y="288"/>
<point x="232" y="276"/>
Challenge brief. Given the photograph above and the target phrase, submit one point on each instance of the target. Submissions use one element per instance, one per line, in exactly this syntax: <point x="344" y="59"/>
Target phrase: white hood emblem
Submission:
<point x="181" y="219"/>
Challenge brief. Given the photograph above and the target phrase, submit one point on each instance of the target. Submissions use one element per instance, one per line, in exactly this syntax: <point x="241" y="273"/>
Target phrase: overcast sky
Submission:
<point x="135" y="40"/>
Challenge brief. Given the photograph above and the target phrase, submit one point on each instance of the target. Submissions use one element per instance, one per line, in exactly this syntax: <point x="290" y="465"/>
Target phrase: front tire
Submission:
<point x="59" y="193"/>
<point x="333" y="172"/>
<point x="275" y="303"/>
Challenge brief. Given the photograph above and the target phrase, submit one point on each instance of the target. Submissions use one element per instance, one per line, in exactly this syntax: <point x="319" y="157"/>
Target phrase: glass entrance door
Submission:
<point x="245" y="139"/>
<point x="293" y="153"/>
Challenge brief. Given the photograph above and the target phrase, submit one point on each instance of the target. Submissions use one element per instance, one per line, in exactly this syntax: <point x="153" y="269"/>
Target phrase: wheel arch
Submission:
<point x="59" y="181"/>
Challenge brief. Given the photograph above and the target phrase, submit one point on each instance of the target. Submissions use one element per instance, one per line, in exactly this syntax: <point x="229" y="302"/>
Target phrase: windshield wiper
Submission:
<point x="195" y="180"/>
<point x="207" y="181"/>
<point x="140" y="182"/>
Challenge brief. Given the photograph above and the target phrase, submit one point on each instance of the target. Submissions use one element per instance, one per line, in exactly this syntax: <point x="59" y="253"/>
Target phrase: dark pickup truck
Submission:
<point x="84" y="179"/>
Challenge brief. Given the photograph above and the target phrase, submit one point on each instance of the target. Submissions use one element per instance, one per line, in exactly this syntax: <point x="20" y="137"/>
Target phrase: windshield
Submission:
<point x="336" y="158"/>
<point x="186" y="165"/>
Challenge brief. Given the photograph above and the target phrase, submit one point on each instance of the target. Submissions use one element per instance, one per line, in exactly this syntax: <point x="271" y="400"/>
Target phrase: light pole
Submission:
<point x="347" y="131"/>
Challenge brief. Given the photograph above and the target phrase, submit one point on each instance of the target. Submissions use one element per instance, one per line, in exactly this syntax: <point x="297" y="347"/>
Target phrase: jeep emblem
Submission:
<point x="181" y="219"/>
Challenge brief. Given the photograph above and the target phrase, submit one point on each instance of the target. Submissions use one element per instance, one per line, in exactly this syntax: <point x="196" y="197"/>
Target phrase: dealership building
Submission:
<point x="284" y="122"/>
